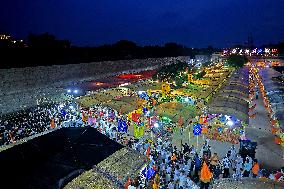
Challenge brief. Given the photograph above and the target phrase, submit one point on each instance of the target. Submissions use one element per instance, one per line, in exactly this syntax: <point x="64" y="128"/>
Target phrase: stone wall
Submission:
<point x="20" y="87"/>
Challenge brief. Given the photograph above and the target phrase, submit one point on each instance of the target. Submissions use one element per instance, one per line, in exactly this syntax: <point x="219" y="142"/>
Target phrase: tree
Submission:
<point x="199" y="75"/>
<point x="236" y="61"/>
<point x="171" y="72"/>
<point x="46" y="40"/>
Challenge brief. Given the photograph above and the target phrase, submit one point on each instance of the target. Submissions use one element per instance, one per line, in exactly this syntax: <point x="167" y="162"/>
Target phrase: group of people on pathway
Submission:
<point x="169" y="166"/>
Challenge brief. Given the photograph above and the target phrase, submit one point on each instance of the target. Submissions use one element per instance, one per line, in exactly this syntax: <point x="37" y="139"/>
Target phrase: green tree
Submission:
<point x="170" y="72"/>
<point x="236" y="61"/>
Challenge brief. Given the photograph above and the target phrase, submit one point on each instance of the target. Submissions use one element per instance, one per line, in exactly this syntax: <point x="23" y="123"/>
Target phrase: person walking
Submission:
<point x="255" y="169"/>
<point x="205" y="176"/>
<point x="247" y="168"/>
<point x="226" y="166"/>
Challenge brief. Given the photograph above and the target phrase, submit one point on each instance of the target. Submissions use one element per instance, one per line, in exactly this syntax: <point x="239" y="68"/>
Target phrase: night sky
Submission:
<point x="195" y="23"/>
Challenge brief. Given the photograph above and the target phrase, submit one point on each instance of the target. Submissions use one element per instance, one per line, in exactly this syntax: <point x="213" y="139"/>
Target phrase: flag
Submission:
<point x="150" y="173"/>
<point x="138" y="131"/>
<point x="197" y="129"/>
<point x="144" y="172"/>
<point x="141" y="130"/>
<point x="122" y="126"/>
<point x="148" y="151"/>
<point x="205" y="174"/>
<point x="128" y="182"/>
<point x="135" y="117"/>
<point x="204" y="130"/>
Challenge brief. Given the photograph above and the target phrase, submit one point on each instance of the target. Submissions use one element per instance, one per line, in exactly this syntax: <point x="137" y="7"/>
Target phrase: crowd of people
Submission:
<point x="169" y="166"/>
<point x="26" y="123"/>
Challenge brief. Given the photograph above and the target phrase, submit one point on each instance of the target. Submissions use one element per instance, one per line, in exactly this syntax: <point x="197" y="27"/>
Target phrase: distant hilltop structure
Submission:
<point x="6" y="41"/>
<point x="265" y="52"/>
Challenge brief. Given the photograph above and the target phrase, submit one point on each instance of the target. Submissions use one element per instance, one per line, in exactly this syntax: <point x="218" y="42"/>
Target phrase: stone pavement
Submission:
<point x="247" y="183"/>
<point x="269" y="154"/>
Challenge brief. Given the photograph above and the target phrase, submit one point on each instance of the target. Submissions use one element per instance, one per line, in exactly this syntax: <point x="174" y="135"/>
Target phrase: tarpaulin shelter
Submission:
<point x="51" y="160"/>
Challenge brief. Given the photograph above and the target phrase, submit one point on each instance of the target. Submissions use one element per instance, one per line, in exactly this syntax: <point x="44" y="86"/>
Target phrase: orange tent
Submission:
<point x="273" y="122"/>
<point x="274" y="130"/>
<point x="277" y="140"/>
<point x="205" y="174"/>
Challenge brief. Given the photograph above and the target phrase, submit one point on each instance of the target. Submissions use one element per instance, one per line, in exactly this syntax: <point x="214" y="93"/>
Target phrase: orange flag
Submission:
<point x="52" y="123"/>
<point x="205" y="174"/>
<point x="204" y="130"/>
<point x="148" y="151"/>
<point x="128" y="182"/>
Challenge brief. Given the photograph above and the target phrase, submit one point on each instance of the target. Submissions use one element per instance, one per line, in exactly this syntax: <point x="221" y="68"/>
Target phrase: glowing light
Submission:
<point x="186" y="99"/>
<point x="69" y="91"/>
<point x="267" y="50"/>
<point x="124" y="84"/>
<point x="99" y="83"/>
<point x="274" y="50"/>
<point x="156" y="125"/>
<point x="76" y="91"/>
<point x="259" y="51"/>
<point x="230" y="123"/>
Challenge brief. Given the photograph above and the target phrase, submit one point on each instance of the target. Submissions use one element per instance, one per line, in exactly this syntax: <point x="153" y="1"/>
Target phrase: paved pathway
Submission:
<point x="269" y="154"/>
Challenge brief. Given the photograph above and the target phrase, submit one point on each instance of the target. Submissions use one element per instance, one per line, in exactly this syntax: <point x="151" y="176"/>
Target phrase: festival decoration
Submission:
<point x="197" y="129"/>
<point x="122" y="126"/>
<point x="150" y="173"/>
<point x="145" y="110"/>
<point x="138" y="130"/>
<point x="205" y="174"/>
<point x="204" y="130"/>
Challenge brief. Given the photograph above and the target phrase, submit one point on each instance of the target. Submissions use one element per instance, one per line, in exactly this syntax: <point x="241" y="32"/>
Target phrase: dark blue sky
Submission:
<point x="195" y="23"/>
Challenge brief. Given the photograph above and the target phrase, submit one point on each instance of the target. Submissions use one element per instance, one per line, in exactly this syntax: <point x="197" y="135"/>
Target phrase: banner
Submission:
<point x="122" y="126"/>
<point x="138" y="131"/>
